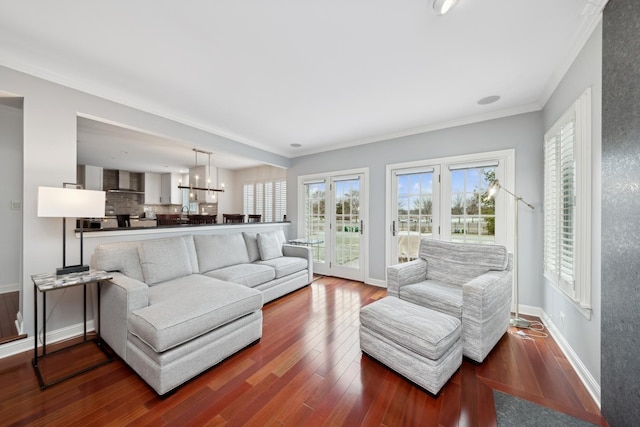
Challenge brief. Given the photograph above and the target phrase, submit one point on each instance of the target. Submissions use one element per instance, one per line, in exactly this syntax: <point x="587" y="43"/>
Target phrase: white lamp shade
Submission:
<point x="70" y="202"/>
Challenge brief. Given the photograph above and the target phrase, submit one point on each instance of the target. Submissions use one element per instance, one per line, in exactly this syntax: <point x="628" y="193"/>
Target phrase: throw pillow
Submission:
<point x="251" y="240"/>
<point x="269" y="245"/>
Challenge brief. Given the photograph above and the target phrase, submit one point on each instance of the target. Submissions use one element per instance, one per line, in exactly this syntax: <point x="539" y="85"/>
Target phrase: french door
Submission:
<point x="446" y="199"/>
<point x="334" y="223"/>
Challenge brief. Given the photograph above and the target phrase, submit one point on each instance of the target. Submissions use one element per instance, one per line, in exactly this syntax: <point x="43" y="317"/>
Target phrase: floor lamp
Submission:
<point x="494" y="186"/>
<point x="73" y="203"/>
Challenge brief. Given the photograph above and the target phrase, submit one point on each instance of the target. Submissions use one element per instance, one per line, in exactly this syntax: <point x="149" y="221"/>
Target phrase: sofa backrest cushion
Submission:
<point x="269" y="245"/>
<point x="220" y="250"/>
<point x="121" y="256"/>
<point x="458" y="263"/>
<point x="165" y="259"/>
<point x="251" y="240"/>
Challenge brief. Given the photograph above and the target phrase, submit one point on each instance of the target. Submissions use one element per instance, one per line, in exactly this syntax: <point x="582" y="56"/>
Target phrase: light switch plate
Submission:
<point x="16" y="205"/>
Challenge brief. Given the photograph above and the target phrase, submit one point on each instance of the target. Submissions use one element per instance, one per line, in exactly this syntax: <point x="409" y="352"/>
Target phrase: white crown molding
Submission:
<point x="427" y="128"/>
<point x="592" y="13"/>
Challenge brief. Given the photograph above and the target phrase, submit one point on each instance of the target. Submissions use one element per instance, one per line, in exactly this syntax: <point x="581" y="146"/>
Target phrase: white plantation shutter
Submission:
<point x="248" y="199"/>
<point x="567" y="202"/>
<point x="260" y="201"/>
<point x="268" y="201"/>
<point x="280" y="200"/>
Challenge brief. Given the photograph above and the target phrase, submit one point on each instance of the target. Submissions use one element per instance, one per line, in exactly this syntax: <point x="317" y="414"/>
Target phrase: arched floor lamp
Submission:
<point x="494" y="186"/>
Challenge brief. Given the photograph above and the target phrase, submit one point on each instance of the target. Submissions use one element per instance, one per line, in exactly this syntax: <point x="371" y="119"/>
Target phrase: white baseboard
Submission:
<point x="9" y="287"/>
<point x="376" y="282"/>
<point x="585" y="376"/>
<point x="27" y="344"/>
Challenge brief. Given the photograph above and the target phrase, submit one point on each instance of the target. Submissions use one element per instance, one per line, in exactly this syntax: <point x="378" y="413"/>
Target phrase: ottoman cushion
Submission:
<point x="418" y="329"/>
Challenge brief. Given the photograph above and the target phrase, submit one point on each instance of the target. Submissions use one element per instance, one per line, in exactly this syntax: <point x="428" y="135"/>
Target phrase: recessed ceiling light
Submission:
<point x="488" y="100"/>
<point x="443" y="6"/>
<point x="296" y="145"/>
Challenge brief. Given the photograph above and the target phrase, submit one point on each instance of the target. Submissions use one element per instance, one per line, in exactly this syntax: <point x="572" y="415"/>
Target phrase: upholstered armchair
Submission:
<point x="469" y="281"/>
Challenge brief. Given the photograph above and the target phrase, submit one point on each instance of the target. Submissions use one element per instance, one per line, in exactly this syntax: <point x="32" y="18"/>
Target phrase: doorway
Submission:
<point x="334" y="215"/>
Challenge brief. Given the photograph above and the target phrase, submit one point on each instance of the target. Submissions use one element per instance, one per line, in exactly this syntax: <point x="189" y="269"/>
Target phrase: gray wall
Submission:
<point x="11" y="190"/>
<point x="620" y="208"/>
<point x="50" y="152"/>
<point x="585" y="72"/>
<point x="522" y="132"/>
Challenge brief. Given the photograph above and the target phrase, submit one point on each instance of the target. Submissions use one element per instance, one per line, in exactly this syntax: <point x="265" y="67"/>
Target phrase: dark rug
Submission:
<point x="513" y="411"/>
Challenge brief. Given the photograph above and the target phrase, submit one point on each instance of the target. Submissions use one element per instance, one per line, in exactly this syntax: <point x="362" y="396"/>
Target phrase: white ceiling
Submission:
<point x="323" y="74"/>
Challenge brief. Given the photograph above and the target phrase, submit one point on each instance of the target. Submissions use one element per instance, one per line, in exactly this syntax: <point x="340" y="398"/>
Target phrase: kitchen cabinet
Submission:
<point x="170" y="193"/>
<point x="90" y="177"/>
<point x="152" y="185"/>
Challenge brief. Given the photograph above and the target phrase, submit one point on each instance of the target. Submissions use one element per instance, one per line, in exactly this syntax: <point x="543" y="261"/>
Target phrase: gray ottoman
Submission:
<point x="420" y="344"/>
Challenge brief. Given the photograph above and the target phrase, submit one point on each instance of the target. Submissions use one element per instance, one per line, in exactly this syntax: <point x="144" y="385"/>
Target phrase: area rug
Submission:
<point x="512" y="411"/>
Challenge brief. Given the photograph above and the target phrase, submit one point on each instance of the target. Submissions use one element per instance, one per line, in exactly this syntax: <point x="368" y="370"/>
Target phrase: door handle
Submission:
<point x="361" y="227"/>
<point x="393" y="228"/>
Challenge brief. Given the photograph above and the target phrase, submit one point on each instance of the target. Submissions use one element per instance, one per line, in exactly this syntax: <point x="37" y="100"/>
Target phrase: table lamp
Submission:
<point x="71" y="202"/>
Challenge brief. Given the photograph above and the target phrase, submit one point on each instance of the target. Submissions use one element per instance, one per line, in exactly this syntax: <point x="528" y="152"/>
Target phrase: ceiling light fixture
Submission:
<point x="488" y="100"/>
<point x="192" y="187"/>
<point x="443" y="6"/>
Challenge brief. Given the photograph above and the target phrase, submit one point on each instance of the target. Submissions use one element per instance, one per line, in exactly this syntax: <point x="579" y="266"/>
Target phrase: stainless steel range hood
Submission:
<point x="124" y="184"/>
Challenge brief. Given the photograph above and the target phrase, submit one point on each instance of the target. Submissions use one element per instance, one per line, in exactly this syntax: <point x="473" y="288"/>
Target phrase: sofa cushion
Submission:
<point x="122" y="257"/>
<point x="457" y="263"/>
<point x="220" y="250"/>
<point x="185" y="308"/>
<point x="285" y="265"/>
<point x="251" y="240"/>
<point x="164" y="259"/>
<point x="269" y="245"/>
<point x="439" y="296"/>
<point x="245" y="274"/>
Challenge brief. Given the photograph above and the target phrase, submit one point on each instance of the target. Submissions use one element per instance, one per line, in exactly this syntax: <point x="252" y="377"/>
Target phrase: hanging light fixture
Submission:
<point x="192" y="187"/>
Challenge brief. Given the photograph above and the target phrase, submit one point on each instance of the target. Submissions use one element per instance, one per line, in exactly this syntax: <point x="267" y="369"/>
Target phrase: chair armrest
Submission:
<point x="484" y="294"/>
<point x="118" y="298"/>
<point x="301" y="252"/>
<point x="486" y="308"/>
<point x="405" y="274"/>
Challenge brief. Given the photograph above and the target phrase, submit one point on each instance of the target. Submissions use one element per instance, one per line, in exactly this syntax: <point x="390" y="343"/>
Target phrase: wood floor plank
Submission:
<point x="306" y="370"/>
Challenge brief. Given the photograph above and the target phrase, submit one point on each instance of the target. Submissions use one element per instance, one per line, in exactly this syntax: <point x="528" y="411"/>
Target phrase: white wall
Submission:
<point x="11" y="190"/>
<point x="50" y="116"/>
<point x="582" y="334"/>
<point x="522" y="132"/>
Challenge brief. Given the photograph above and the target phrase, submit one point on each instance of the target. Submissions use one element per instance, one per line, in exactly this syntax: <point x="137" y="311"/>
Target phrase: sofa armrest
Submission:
<point x="301" y="252"/>
<point x="486" y="307"/>
<point x="118" y="298"/>
<point x="405" y="274"/>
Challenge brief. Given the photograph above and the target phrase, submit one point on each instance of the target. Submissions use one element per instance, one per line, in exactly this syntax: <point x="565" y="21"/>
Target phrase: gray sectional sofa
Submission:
<point x="177" y="306"/>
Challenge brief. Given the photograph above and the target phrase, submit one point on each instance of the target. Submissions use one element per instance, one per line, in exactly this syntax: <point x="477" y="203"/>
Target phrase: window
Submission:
<point x="567" y="202"/>
<point x="260" y="198"/>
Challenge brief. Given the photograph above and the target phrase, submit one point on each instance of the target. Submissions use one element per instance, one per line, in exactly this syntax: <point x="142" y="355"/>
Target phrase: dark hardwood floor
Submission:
<point x="306" y="371"/>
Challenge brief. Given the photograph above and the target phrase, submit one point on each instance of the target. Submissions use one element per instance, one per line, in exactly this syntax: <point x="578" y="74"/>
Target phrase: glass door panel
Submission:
<point x="413" y="218"/>
<point x="347" y="228"/>
<point x="316" y="222"/>
<point x="472" y="215"/>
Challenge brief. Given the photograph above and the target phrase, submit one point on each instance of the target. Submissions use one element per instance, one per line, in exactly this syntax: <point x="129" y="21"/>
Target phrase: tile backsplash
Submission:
<point x="133" y="204"/>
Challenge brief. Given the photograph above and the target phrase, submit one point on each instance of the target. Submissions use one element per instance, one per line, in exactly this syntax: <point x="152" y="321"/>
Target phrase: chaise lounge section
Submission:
<point x="177" y="306"/>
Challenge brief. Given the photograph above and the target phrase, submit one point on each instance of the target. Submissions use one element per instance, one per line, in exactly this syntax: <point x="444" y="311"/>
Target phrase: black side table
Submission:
<point x="50" y="282"/>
